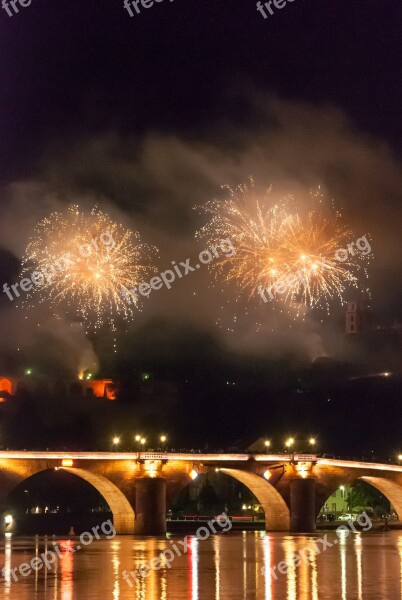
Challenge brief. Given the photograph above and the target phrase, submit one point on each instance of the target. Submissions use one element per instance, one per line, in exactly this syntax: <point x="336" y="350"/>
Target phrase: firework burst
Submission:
<point x="88" y="260"/>
<point x="278" y="248"/>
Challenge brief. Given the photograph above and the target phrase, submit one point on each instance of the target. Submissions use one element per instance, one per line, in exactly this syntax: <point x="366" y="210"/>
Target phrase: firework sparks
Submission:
<point x="275" y="244"/>
<point x="88" y="259"/>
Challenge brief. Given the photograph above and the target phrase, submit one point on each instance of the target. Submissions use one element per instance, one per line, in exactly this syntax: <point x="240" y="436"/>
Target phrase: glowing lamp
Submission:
<point x="302" y="469"/>
<point x="267" y="474"/>
<point x="151" y="467"/>
<point x="67" y="462"/>
<point x="193" y="474"/>
<point x="8" y="519"/>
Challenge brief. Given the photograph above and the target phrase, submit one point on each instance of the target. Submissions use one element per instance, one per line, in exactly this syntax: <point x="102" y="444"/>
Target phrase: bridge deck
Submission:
<point x="194" y="457"/>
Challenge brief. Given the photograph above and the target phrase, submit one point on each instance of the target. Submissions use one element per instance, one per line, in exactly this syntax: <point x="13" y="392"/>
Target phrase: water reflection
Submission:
<point x="66" y="569"/>
<point x="358" y="550"/>
<point x="268" y="564"/>
<point x="193" y="567"/>
<point x="399" y="546"/>
<point x="244" y="554"/>
<point x="115" y="547"/>
<point x="343" y="535"/>
<point x="7" y="561"/>
<point x="314" y="578"/>
<point x="290" y="548"/>
<point x="359" y="566"/>
<point x="217" y="558"/>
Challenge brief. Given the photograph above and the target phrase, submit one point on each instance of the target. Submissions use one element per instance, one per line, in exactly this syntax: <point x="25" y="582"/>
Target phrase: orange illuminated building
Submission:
<point x="101" y="388"/>
<point x="7" y="388"/>
<point x="96" y="388"/>
<point x="6" y="385"/>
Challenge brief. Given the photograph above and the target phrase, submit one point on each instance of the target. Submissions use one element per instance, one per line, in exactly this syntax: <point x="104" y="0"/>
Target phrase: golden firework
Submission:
<point x="294" y="255"/>
<point x="85" y="260"/>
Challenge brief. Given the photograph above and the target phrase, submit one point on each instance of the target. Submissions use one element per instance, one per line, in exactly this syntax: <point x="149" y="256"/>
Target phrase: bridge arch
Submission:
<point x="388" y="488"/>
<point x="277" y="514"/>
<point x="120" y="507"/>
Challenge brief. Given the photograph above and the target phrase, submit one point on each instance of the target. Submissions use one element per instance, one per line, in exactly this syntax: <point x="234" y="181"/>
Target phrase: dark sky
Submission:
<point x="71" y="69"/>
<point x="148" y="116"/>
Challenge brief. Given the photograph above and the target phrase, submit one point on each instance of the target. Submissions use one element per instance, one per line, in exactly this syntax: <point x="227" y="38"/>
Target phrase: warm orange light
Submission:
<point x="302" y="468"/>
<point x="101" y="388"/>
<point x="267" y="474"/>
<point x="193" y="474"/>
<point x="151" y="467"/>
<point x="6" y="385"/>
<point x="67" y="462"/>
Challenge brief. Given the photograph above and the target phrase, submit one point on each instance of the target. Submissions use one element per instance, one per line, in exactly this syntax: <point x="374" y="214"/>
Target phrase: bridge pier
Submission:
<point x="150" y="506"/>
<point x="302" y="505"/>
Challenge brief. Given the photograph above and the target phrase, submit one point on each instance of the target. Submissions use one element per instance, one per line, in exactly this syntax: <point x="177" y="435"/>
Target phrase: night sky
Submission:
<point x="147" y="117"/>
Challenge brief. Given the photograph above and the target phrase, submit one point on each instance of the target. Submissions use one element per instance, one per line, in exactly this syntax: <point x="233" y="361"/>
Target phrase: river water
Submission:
<point x="360" y="566"/>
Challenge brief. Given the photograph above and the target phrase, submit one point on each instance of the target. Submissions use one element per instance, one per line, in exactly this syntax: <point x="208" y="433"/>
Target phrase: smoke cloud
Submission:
<point x="152" y="184"/>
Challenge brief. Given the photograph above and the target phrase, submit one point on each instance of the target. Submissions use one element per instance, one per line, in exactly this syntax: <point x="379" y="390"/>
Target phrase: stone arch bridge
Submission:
<point x="291" y="488"/>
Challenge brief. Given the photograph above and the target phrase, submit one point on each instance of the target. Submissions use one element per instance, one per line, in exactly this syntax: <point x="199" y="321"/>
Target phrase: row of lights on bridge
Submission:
<point x="116" y="440"/>
<point x="290" y="442"/>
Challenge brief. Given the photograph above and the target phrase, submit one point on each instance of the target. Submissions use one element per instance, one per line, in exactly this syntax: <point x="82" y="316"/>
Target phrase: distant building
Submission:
<point x="338" y="502"/>
<point x="91" y="388"/>
<point x="7" y="387"/>
<point x="98" y="388"/>
<point x="358" y="317"/>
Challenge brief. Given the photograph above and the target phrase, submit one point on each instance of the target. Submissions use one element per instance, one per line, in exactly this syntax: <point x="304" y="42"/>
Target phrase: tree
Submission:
<point x="363" y="495"/>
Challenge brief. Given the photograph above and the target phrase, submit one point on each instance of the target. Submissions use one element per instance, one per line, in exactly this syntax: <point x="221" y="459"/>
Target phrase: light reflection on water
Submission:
<point x="358" y="567"/>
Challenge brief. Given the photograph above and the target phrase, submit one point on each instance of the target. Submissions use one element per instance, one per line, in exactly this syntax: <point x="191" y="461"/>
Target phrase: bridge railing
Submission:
<point x="152" y="456"/>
